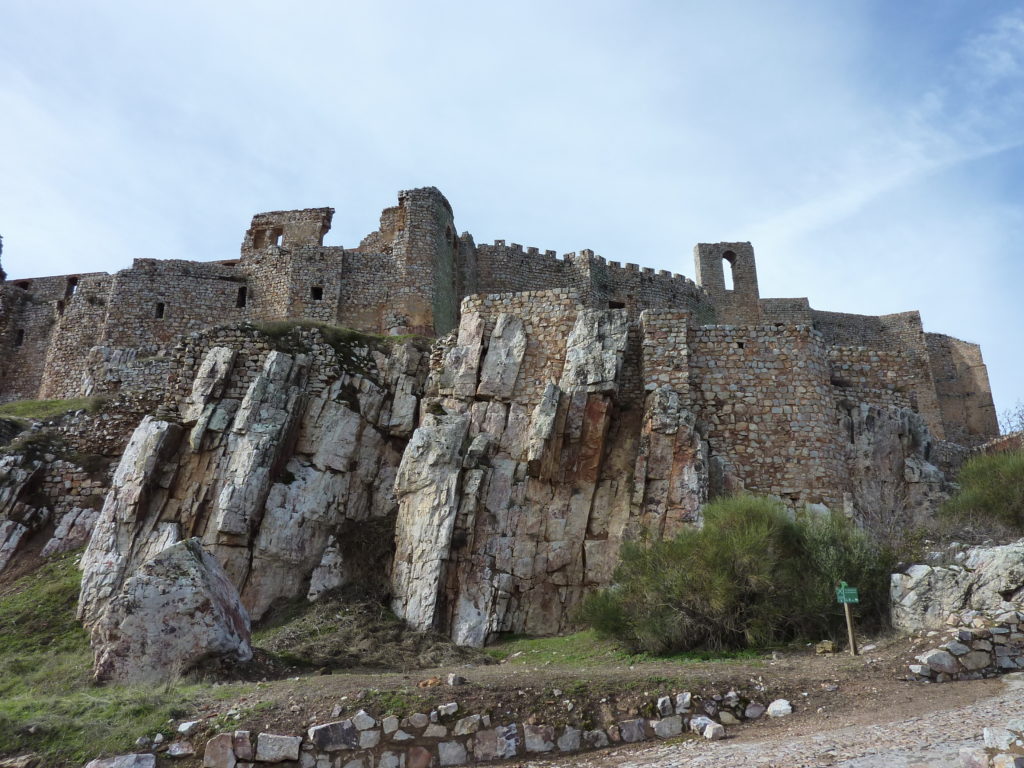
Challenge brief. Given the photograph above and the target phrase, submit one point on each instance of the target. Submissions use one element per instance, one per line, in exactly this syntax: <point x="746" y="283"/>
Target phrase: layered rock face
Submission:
<point x="515" y="494"/>
<point x="488" y="487"/>
<point x="270" y="461"/>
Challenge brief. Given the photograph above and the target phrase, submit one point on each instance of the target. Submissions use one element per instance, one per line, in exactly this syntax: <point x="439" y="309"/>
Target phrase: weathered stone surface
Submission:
<point x="369" y="739"/>
<point x="273" y="748"/>
<point x="220" y="752"/>
<point x="497" y="743"/>
<point x="538" y="738"/>
<point x="419" y="757"/>
<point x="714" y="732"/>
<point x="242" y="743"/>
<point x="332" y="737"/>
<point x="668" y="727"/>
<point x="569" y="741"/>
<point x="987" y="577"/>
<point x="594" y="351"/>
<point x="180" y="749"/>
<point x="754" y="710"/>
<point x="780" y="708"/>
<point x="976" y="660"/>
<point x="124" y="761"/>
<point x="363" y="720"/>
<point x="451" y="753"/>
<point x="632" y="730"/>
<point x="939" y="661"/>
<point x="595" y="739"/>
<point x="427" y="489"/>
<point x="466" y="726"/>
<point x="504" y="356"/>
<point x="181" y="587"/>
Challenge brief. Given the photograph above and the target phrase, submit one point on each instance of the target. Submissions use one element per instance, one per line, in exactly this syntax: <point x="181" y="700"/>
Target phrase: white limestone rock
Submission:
<point x="505" y="350"/>
<point x="594" y="350"/>
<point x="182" y="587"/>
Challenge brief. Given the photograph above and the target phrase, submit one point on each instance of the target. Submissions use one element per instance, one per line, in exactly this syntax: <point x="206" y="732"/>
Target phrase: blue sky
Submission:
<point x="872" y="151"/>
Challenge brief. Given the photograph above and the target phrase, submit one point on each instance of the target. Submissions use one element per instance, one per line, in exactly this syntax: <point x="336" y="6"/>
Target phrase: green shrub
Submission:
<point x="991" y="491"/>
<point x="751" y="577"/>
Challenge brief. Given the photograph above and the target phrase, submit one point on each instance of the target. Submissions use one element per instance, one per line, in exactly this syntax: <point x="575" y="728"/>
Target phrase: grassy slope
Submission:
<point x="587" y="649"/>
<point x="48" y="703"/>
<point x="47" y="409"/>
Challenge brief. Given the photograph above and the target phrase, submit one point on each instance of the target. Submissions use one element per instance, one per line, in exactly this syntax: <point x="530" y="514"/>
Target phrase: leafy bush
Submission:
<point x="751" y="577"/>
<point x="991" y="491"/>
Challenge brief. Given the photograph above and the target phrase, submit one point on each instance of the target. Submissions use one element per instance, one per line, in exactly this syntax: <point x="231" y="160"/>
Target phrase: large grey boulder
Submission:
<point x="988" y="579"/>
<point x="175" y="610"/>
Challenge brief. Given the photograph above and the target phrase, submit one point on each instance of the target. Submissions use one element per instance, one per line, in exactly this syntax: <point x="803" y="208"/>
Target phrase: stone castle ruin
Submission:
<point x="568" y="404"/>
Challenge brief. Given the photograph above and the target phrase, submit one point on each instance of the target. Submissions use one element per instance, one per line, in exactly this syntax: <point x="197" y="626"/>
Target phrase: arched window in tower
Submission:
<point x="729" y="275"/>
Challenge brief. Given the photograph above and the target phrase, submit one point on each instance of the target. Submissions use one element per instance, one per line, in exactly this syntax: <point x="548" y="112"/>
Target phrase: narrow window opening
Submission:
<point x="317" y="293"/>
<point x="241" y="299"/>
<point x="159" y="310"/>
<point x="71" y="288"/>
<point x="739" y="345"/>
<point x="616" y="305"/>
<point x="24" y="284"/>
<point x="276" y="235"/>
<point x="19" y="337"/>
<point x="730" y="273"/>
<point x="60" y="306"/>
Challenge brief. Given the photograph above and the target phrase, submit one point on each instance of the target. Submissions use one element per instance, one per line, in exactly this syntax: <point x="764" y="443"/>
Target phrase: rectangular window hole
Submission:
<point x="616" y="305"/>
<point x="159" y="310"/>
<point x="19" y="337"/>
<point x="242" y="297"/>
<point x="317" y="293"/>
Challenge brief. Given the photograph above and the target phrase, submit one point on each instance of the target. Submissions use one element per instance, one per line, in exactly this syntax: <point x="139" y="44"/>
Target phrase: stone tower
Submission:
<point x="740" y="303"/>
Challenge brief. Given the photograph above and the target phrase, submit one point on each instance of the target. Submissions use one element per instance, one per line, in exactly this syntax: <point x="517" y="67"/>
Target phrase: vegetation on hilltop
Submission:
<point x="991" y="493"/>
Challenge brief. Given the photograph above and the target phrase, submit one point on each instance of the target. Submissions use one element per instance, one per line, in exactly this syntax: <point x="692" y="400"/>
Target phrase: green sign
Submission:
<point x="846" y="594"/>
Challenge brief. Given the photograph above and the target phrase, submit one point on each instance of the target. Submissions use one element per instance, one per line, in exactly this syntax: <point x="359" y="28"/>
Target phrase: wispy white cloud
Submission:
<point x="157" y="130"/>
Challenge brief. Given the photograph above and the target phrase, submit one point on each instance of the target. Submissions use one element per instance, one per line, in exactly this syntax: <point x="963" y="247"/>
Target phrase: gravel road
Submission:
<point x="932" y="740"/>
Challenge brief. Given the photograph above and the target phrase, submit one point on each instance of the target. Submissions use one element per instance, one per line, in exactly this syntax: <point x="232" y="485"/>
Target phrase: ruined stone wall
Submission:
<point x="901" y="334"/>
<point x="764" y="394"/>
<point x="32" y="314"/>
<point x="964" y="394"/>
<point x="548" y="317"/>
<point x="155" y="302"/>
<point x="787" y="311"/>
<point x="367" y="283"/>
<point x="861" y="375"/>
<point x="79" y="325"/>
<point x="427" y="286"/>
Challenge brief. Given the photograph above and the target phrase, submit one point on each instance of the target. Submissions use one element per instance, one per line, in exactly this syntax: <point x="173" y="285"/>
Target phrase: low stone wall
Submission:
<point x="446" y="736"/>
<point x="979" y="646"/>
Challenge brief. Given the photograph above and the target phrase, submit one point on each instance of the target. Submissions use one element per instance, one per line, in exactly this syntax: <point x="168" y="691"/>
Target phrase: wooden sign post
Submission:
<point x="846" y="595"/>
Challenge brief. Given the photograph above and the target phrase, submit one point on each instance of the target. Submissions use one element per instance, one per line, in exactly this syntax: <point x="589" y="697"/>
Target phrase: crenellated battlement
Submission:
<point x="410" y="275"/>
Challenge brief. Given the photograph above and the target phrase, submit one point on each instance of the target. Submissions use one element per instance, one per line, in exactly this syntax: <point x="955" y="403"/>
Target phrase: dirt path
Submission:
<point x="876" y="740"/>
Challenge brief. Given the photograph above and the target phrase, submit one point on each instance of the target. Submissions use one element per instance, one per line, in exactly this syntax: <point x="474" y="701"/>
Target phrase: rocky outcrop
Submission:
<point x="989" y="580"/>
<point x="514" y="499"/>
<point x="268" y="463"/>
<point x="18" y="516"/>
<point x="176" y="609"/>
<point x="893" y="483"/>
